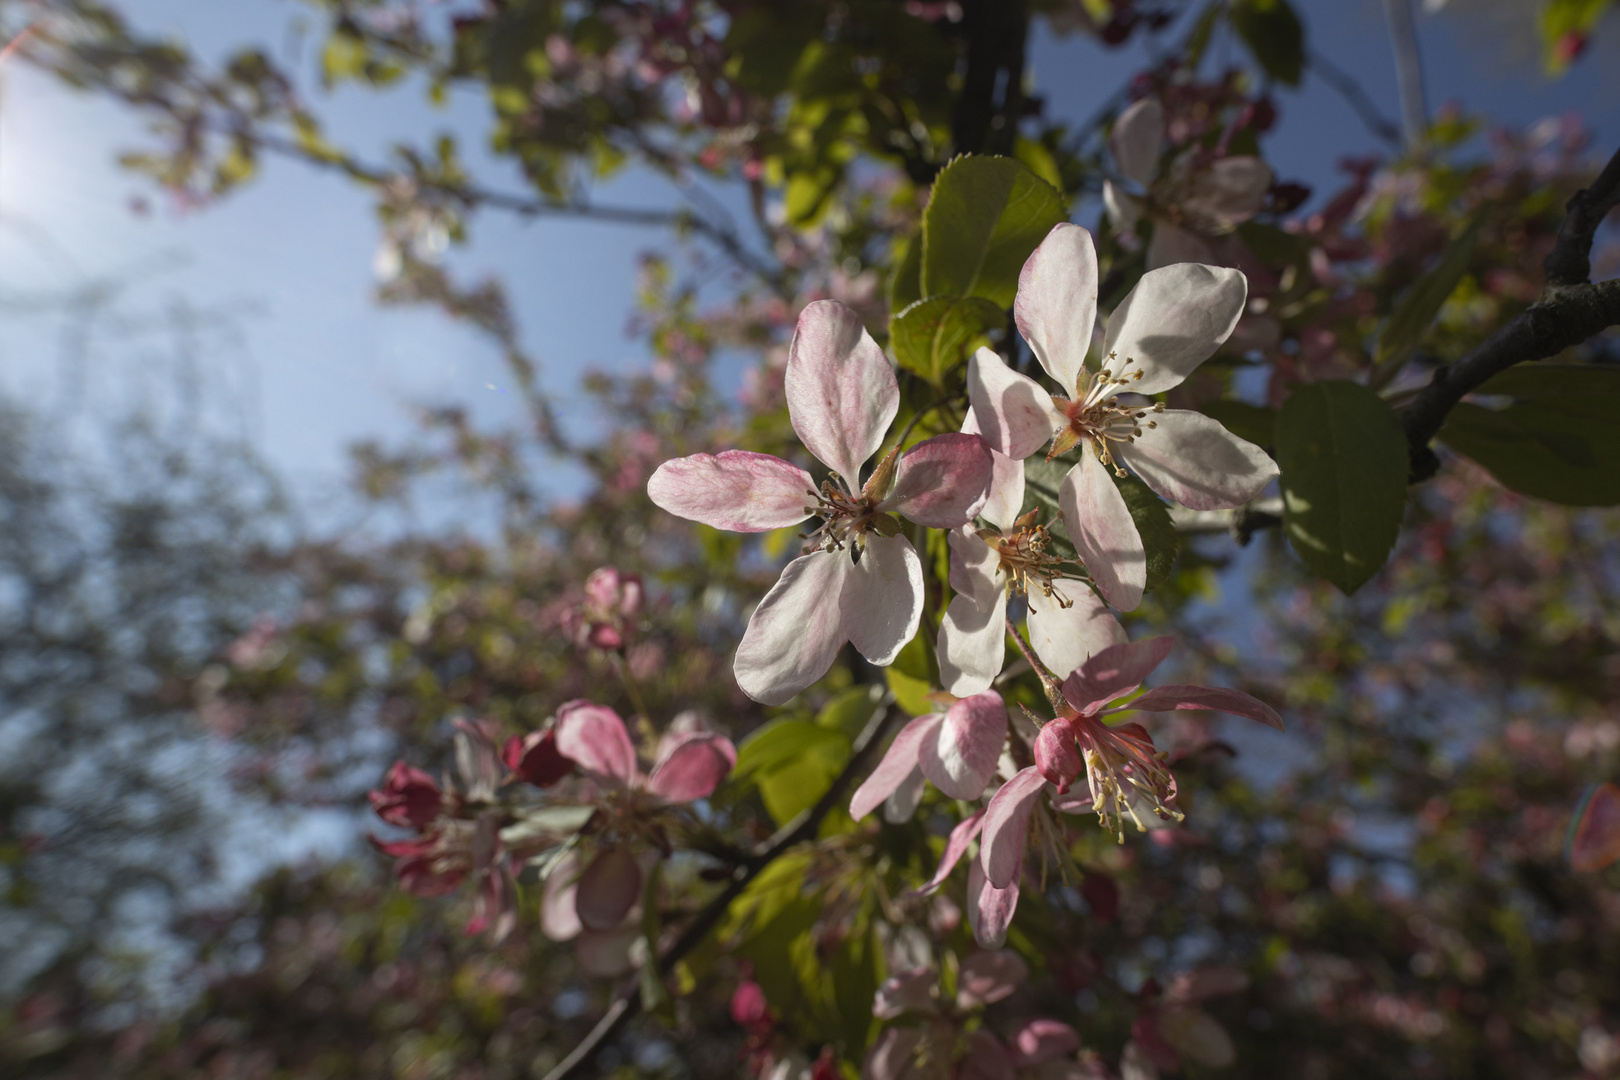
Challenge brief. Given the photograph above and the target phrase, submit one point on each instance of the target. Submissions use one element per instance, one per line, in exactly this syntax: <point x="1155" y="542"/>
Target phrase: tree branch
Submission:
<point x="795" y="832"/>
<point x="1345" y="85"/>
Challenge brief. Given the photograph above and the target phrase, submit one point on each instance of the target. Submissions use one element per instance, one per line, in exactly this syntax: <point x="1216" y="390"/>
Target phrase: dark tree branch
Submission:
<point x="1571" y="260"/>
<point x="794" y="833"/>
<point x="994" y="31"/>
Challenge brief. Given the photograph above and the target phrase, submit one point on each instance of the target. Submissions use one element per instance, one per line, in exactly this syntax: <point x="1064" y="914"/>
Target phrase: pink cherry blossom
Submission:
<point x="535" y="759"/>
<point x="957" y="750"/>
<point x="861" y="581"/>
<point x="1165" y="327"/>
<point x="606" y="617"/>
<point x="408" y="797"/>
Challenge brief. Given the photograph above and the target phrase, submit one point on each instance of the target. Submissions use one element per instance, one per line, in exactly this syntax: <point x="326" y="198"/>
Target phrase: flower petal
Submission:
<point x="1042" y="1040"/>
<point x="943" y="482"/>
<point x="606" y="953"/>
<point x="898" y="807"/>
<point x="1594" y="840"/>
<point x="1136" y="140"/>
<point x="608" y="889"/>
<point x="1015" y="416"/>
<point x="990" y="910"/>
<point x="1198" y="1037"/>
<point x="1191" y="459"/>
<point x="1124" y="210"/>
<point x="975" y="565"/>
<point x="736" y="490"/>
<point x="1064" y="637"/>
<point x="1056" y="306"/>
<point x="1103" y="531"/>
<point x="794" y="634"/>
<point x="898" y="763"/>
<point x="1006" y="821"/>
<point x="972" y="642"/>
<point x="987" y="977"/>
<point x="906" y="991"/>
<point x="962" y="758"/>
<point x="1214" y="698"/>
<point x="1114" y="672"/>
<point x="882" y="598"/>
<point x="841" y="392"/>
<point x="956" y="845"/>
<point x="692" y="767"/>
<point x="559" y="919"/>
<point x="1006" y="483"/>
<point x="891" y="1056"/>
<point x="1229" y="192"/>
<point x="1172" y="244"/>
<point x="593" y="737"/>
<point x="1173" y="320"/>
<point x="987" y="1058"/>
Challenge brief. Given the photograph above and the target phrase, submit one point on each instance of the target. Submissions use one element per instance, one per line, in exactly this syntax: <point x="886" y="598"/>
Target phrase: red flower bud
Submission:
<point x="535" y="759"/>
<point x="1056" y="755"/>
<point x="408" y="797"/>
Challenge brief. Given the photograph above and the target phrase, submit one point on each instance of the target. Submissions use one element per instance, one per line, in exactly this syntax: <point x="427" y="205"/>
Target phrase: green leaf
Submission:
<point x="857" y="971"/>
<point x="1558" y="440"/>
<point x="986" y="215"/>
<point x="849" y="712"/>
<point x="932" y="337"/>
<point x="1197" y="39"/>
<point x="1159" y="536"/>
<point x="1274" y="35"/>
<point x="1416" y="310"/>
<point x="792" y="763"/>
<point x="1041" y="481"/>
<point x="905" y="287"/>
<point x="1564" y="21"/>
<point x="1256" y="423"/>
<point x="1344" y="470"/>
<point x="913" y="676"/>
<point x="779" y="743"/>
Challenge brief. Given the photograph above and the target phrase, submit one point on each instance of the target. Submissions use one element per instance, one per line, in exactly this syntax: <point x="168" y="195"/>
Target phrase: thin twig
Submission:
<point x="795" y="832"/>
<point x="1346" y="86"/>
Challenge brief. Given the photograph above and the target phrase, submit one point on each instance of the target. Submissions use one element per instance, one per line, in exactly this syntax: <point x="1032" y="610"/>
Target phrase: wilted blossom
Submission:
<point x="956" y="749"/>
<point x="606" y="617"/>
<point x="933" y="1039"/>
<point x="1165" y="327"/>
<point x="596" y="896"/>
<point x="860" y="580"/>
<point x="1125" y="773"/>
<point x="1199" y="195"/>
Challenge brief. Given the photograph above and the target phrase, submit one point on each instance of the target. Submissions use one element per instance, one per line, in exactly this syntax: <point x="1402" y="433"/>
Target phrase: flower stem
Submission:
<point x="630" y="686"/>
<point x="1049" y="682"/>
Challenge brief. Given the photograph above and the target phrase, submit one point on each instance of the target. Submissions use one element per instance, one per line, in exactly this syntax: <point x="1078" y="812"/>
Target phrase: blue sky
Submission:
<point x="295" y="353"/>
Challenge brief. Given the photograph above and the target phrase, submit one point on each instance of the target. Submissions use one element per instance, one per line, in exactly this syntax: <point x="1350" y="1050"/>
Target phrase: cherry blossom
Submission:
<point x="860" y="580"/>
<point x="1165" y="327"/>
<point x="1198" y="195"/>
<point x="956" y="749"/>
<point x="605" y="618"/>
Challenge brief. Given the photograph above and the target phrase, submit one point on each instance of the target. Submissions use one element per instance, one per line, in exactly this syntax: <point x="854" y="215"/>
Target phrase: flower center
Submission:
<point x="1123" y="769"/>
<point x="1025" y="561"/>
<point x="1098" y="416"/>
<point x="845" y="518"/>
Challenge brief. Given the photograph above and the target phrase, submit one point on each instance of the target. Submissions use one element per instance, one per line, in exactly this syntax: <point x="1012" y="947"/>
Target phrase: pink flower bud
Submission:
<point x="748" y="1005"/>
<point x="408" y="797"/>
<point x="1056" y="755"/>
<point x="535" y="759"/>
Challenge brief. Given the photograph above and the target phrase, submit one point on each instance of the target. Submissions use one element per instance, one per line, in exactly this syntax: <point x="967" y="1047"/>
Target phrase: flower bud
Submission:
<point x="1056" y="754"/>
<point x="748" y="1003"/>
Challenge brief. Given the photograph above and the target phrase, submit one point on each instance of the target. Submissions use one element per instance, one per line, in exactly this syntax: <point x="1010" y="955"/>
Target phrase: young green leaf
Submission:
<point x="931" y="337"/>
<point x="1274" y="35"/>
<point x="985" y="217"/>
<point x="1159" y="536"/>
<point x="1344" y="470"/>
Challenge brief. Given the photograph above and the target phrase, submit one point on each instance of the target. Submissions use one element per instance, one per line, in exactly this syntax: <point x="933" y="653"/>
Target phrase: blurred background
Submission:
<point x="299" y="462"/>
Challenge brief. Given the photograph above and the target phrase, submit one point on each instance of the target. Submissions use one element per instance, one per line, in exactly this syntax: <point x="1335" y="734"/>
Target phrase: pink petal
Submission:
<point x="795" y="633"/>
<point x="897" y="764"/>
<point x="559" y="919"/>
<point x="608" y="889"/>
<point x="1056" y="307"/>
<point x="882" y="597"/>
<point x="904" y="800"/>
<point x="692" y="767"/>
<point x="1057" y="754"/>
<point x="943" y="482"/>
<point x="1006" y="482"/>
<point x="1193" y="460"/>
<point x="891" y="1057"/>
<point x="595" y="738"/>
<point x="1172" y="321"/>
<point x="990" y="910"/>
<point x="841" y="392"/>
<point x="1006" y="824"/>
<point x="986" y="1059"/>
<point x="1136" y="140"/>
<point x="1213" y="698"/>
<point x="962" y="758"/>
<point x="1103" y="531"/>
<point x="606" y="953"/>
<point x="1014" y="415"/>
<point x="988" y="977"/>
<point x="1042" y="1040"/>
<point x="1596" y="840"/>
<point x="1114" y="672"/>
<point x="972" y="642"/>
<point x="736" y="490"/>
<point x="1064" y="638"/>
<point x="906" y="991"/>
<point x="956" y="845"/>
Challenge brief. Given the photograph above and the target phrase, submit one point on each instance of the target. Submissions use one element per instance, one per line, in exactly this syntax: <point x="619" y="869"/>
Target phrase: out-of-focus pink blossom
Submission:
<point x="606" y="617"/>
<point x="535" y="759"/>
<point x="408" y="797"/>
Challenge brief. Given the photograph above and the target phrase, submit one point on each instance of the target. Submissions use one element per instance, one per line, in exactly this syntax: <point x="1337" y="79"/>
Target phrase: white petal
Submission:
<point x="902" y="802"/>
<point x="1136" y="139"/>
<point x="972" y="644"/>
<point x="1104" y="535"/>
<point x="736" y="490"/>
<point x="1173" y="320"/>
<point x="1173" y="244"/>
<point x="962" y="758"/>
<point x="1064" y="637"/>
<point x="1229" y="192"/>
<point x="1056" y="306"/>
<point x="975" y="565"/>
<point x="841" y="392"/>
<point x="881" y="598"/>
<point x="1006" y="483"/>
<point x="795" y="633"/>
<point x="1124" y="209"/>
<point x="1191" y="459"/>
<point x="1014" y="415"/>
